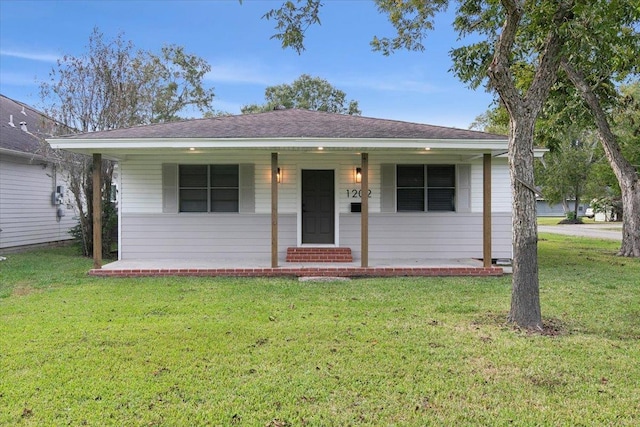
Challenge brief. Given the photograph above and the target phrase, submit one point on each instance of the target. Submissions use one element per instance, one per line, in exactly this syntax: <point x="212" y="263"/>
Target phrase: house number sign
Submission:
<point x="355" y="193"/>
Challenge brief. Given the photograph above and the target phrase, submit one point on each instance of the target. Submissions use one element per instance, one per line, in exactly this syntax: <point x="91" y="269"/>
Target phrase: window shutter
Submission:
<point x="170" y="188"/>
<point x="464" y="188"/>
<point x="247" y="188"/>
<point x="387" y="187"/>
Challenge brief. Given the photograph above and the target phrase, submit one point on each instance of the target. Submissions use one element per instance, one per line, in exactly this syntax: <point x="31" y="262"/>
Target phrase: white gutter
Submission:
<point x="25" y="155"/>
<point x="275" y="143"/>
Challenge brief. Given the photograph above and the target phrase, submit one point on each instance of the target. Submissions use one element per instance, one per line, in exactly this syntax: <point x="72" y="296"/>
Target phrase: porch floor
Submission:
<point x="260" y="268"/>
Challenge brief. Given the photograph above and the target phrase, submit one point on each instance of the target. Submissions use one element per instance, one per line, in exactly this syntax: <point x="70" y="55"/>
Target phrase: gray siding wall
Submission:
<point x="27" y="216"/>
<point x="204" y="236"/>
<point x="427" y="236"/>
<point x="246" y="236"/>
<point x="544" y="209"/>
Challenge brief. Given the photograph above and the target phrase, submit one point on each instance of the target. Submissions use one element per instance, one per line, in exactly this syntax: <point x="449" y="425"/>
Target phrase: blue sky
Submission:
<point x="411" y="86"/>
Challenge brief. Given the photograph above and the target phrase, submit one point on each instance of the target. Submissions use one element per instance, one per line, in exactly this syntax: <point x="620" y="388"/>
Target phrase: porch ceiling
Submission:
<point x="120" y="151"/>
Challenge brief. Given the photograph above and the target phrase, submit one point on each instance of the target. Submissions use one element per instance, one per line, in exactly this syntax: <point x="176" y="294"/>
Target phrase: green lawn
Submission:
<point x="76" y="350"/>
<point x="550" y="220"/>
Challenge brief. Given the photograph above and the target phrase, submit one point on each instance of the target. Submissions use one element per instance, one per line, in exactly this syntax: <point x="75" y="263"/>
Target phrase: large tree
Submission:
<point x="604" y="186"/>
<point x="111" y="86"/>
<point x="600" y="60"/>
<point x="565" y="118"/>
<point x="307" y="93"/>
<point x="512" y="33"/>
<point x="625" y="172"/>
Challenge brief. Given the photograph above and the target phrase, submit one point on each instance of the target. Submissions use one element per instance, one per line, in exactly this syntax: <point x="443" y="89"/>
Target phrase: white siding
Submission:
<point x="141" y="178"/>
<point x="500" y="186"/>
<point x="27" y="214"/>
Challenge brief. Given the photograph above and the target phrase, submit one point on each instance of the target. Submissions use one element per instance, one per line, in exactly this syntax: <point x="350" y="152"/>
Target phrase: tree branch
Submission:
<point x="607" y="138"/>
<point x="550" y="57"/>
<point x="499" y="70"/>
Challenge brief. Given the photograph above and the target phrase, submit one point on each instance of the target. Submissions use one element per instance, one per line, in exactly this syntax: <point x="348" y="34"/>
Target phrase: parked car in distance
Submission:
<point x="589" y="213"/>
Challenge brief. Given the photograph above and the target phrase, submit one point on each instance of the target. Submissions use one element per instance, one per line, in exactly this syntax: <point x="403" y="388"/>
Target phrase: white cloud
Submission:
<point x="33" y="56"/>
<point x="256" y="73"/>
<point x="394" y="83"/>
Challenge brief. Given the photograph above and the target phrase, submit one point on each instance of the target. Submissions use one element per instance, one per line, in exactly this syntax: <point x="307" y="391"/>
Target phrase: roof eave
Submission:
<point x="23" y="154"/>
<point x="275" y="143"/>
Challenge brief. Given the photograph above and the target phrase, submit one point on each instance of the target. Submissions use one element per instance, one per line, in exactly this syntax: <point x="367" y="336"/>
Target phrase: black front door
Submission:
<point x="318" y="199"/>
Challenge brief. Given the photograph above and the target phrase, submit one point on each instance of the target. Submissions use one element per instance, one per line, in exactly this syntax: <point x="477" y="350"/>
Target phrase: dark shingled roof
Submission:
<point x="290" y="124"/>
<point x="13" y="137"/>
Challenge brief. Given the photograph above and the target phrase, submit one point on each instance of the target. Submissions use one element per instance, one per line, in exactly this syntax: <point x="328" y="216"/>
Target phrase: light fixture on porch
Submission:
<point x="358" y="175"/>
<point x="278" y="176"/>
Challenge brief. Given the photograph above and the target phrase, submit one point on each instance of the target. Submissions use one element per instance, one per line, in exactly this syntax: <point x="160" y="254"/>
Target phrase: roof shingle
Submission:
<point x="13" y="137"/>
<point x="290" y="124"/>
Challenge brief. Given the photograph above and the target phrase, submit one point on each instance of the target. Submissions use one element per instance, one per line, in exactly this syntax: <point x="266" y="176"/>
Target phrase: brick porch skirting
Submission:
<point x="319" y="255"/>
<point x="304" y="272"/>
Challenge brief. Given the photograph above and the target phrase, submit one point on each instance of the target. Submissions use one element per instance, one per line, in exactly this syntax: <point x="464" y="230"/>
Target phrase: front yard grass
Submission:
<point x="76" y="350"/>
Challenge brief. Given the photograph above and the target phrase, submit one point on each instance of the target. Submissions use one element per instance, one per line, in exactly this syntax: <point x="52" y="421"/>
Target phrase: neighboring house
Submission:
<point x="30" y="212"/>
<point x="545" y="209"/>
<point x="202" y="190"/>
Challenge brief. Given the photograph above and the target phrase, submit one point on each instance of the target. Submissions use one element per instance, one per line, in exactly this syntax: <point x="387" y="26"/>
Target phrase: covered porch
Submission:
<point x="230" y="196"/>
<point x="333" y="264"/>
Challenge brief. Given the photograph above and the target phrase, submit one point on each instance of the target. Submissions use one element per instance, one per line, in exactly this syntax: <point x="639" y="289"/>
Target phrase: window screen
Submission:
<point x="425" y="187"/>
<point x="224" y="188"/>
<point x="441" y="187"/>
<point x="410" y="187"/>
<point x="208" y="188"/>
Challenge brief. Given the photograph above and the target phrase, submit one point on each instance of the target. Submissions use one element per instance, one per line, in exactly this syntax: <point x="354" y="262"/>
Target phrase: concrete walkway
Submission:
<point x="607" y="230"/>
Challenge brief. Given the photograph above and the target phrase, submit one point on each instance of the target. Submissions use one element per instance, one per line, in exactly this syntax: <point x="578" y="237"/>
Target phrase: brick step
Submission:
<point x="319" y="255"/>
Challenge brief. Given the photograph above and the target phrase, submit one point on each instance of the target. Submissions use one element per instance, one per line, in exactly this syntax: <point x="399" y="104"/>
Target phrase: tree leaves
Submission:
<point x="113" y="86"/>
<point x="292" y="21"/>
<point x="308" y="93"/>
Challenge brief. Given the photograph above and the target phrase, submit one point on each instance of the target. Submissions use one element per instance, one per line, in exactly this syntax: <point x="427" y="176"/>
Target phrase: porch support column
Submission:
<point x="364" y="214"/>
<point x="274" y="210"/>
<point x="97" y="210"/>
<point x="486" y="210"/>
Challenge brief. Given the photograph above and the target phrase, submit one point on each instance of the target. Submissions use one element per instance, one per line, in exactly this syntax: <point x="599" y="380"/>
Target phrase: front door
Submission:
<point x="318" y="200"/>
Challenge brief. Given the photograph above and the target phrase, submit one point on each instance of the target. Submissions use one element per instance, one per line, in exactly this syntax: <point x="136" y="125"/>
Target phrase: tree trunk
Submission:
<point x="525" y="296"/>
<point x="630" y="217"/>
<point x="565" y="205"/>
<point x="523" y="111"/>
<point x="625" y="172"/>
<point x="576" y="203"/>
